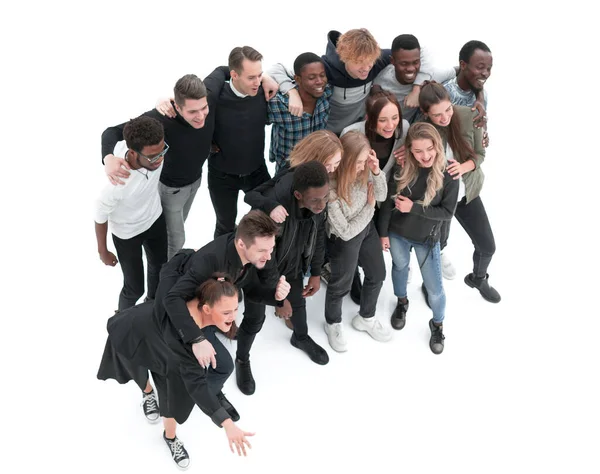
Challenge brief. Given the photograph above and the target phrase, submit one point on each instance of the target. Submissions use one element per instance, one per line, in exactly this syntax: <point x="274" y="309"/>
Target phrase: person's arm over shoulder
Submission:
<point x="175" y="302"/>
<point x="215" y="81"/>
<point x="259" y="197"/>
<point x="110" y="137"/>
<point x="283" y="76"/>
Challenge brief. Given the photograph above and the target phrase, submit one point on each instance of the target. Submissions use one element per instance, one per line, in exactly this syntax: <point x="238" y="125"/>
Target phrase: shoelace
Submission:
<point x="438" y="336"/>
<point x="150" y="403"/>
<point x="177" y="450"/>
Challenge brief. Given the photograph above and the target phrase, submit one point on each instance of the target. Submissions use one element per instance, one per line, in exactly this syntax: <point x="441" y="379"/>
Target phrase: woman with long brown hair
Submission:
<point x="357" y="185"/>
<point x="136" y="344"/>
<point x="464" y="150"/>
<point x="421" y="198"/>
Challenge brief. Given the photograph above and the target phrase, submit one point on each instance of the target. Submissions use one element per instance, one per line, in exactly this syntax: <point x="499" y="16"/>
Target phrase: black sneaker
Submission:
<point x="316" y="353"/>
<point x="436" y="342"/>
<point x="150" y="407"/>
<point x="485" y="290"/>
<point x="178" y="452"/>
<point x="235" y="416"/>
<point x="398" y="319"/>
<point x="326" y="273"/>
<point x="243" y="377"/>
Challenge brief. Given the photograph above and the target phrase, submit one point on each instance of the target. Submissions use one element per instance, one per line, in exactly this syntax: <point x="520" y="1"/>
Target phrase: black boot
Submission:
<point x="436" y="342"/>
<point x="316" y="353"/>
<point x="229" y="408"/>
<point x="243" y="377"/>
<point x="398" y="319"/>
<point x="488" y="292"/>
<point x="425" y="294"/>
<point x="356" y="288"/>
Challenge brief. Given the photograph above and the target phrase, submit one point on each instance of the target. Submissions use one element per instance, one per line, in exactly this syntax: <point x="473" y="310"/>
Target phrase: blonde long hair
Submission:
<point x="354" y="143"/>
<point x="407" y="176"/>
<point x="318" y="146"/>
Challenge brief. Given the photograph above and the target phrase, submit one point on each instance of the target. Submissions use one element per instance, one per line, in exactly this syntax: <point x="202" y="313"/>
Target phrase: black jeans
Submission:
<point x="254" y="318"/>
<point x="224" y="189"/>
<point x="129" y="253"/>
<point x="473" y="218"/>
<point x="364" y="249"/>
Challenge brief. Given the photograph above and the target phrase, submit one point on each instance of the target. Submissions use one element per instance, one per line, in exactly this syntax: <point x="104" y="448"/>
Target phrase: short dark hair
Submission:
<point x="189" y="86"/>
<point x="238" y="54"/>
<point x="407" y="42"/>
<point x="255" y="224"/>
<point x="142" y="132"/>
<point x="303" y="60"/>
<point x="469" y="48"/>
<point x="309" y="175"/>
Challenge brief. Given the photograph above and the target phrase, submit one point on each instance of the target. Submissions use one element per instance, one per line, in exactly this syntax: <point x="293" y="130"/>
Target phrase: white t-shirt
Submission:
<point x="461" y="184"/>
<point x="132" y="208"/>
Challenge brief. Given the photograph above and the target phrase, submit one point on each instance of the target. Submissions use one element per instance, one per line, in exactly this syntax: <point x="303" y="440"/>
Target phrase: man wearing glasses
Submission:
<point x="189" y="133"/>
<point x="135" y="212"/>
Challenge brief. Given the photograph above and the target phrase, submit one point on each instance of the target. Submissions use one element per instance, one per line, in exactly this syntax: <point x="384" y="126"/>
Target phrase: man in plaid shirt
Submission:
<point x="287" y="130"/>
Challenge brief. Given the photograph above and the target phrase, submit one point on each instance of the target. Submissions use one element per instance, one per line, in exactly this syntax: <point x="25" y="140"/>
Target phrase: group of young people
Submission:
<point x="375" y="150"/>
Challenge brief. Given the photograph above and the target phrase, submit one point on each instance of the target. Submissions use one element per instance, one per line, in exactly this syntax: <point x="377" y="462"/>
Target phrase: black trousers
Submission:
<point x="224" y="189"/>
<point x="129" y="253"/>
<point x="473" y="218"/>
<point x="344" y="255"/>
<point x="254" y="318"/>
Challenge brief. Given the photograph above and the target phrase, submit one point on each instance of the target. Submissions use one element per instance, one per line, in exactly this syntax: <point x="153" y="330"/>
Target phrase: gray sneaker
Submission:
<point x="372" y="327"/>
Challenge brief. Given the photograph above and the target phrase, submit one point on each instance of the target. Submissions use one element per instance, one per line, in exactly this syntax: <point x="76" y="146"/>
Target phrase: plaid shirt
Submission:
<point x="288" y="130"/>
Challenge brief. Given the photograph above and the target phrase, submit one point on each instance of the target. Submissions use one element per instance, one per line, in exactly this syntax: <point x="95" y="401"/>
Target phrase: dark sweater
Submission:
<point x="239" y="132"/>
<point x="301" y="241"/>
<point x="188" y="147"/>
<point x="417" y="224"/>
<point x="220" y="255"/>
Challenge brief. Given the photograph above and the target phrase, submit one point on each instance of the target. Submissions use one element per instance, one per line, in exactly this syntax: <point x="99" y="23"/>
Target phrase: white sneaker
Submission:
<point x="448" y="270"/>
<point x="373" y="327"/>
<point x="335" y="336"/>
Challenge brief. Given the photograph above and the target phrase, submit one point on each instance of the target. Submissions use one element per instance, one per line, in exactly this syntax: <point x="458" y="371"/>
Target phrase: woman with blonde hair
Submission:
<point x="424" y="195"/>
<point x="356" y="186"/>
<point x="465" y="153"/>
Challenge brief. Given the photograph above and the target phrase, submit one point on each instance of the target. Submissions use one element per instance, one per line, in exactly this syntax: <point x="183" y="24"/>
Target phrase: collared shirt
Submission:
<point x="235" y="91"/>
<point x="462" y="97"/>
<point x="288" y="129"/>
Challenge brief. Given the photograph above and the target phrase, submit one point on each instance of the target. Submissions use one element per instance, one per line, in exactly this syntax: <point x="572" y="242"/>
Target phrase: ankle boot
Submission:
<point x="481" y="283"/>
<point x="398" y="319"/>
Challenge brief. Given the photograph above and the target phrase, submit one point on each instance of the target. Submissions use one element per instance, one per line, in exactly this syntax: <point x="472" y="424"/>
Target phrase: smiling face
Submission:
<point x="388" y="120"/>
<point x="312" y="79"/>
<point x="359" y="69"/>
<point x="361" y="161"/>
<point x="407" y="64"/>
<point x="478" y="69"/>
<point x="440" y="114"/>
<point x="223" y="312"/>
<point x="248" y="80"/>
<point x="150" y="151"/>
<point x="194" y="111"/>
<point x="259" y="253"/>
<point x="424" y="152"/>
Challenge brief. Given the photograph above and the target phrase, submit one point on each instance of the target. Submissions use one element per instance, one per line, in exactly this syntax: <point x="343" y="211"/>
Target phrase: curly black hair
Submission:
<point x="142" y="132"/>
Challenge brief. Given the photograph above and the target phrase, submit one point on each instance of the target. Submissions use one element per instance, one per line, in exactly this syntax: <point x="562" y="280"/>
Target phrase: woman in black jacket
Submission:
<point x="136" y="344"/>
<point x="421" y="196"/>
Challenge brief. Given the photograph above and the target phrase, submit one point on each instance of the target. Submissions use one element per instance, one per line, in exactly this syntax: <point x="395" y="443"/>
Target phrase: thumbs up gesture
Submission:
<point x="282" y="289"/>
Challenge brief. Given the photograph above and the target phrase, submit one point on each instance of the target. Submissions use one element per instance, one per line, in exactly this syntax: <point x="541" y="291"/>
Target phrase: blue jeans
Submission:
<point x="431" y="271"/>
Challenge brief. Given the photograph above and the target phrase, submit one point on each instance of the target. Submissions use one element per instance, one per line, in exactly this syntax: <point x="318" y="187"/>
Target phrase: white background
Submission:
<point x="516" y="387"/>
